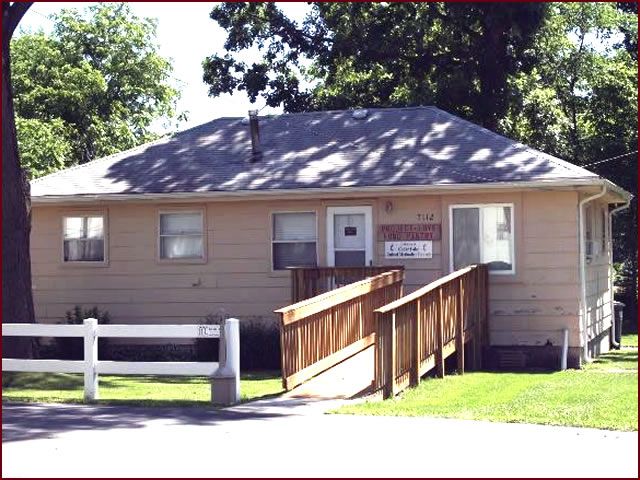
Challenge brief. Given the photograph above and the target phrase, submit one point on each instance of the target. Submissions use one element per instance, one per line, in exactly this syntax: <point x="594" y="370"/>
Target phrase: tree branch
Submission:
<point x="11" y="16"/>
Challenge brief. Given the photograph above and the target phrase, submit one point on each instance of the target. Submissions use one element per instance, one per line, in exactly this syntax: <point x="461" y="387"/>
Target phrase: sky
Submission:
<point x="186" y="35"/>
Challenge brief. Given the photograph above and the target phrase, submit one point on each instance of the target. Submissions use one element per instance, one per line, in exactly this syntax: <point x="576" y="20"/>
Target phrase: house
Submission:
<point x="209" y="219"/>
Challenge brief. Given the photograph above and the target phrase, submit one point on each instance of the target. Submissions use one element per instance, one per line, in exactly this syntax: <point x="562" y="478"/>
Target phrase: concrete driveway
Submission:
<point x="292" y="437"/>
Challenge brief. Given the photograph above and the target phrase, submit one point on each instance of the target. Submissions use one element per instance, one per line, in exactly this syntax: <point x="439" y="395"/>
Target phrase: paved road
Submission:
<point x="292" y="437"/>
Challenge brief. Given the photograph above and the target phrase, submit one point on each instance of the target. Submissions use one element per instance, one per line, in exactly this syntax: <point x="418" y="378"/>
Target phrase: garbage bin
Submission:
<point x="618" y="308"/>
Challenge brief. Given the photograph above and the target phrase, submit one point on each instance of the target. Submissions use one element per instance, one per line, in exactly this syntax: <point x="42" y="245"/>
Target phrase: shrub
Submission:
<point x="259" y="346"/>
<point x="206" y="349"/>
<point x="72" y="348"/>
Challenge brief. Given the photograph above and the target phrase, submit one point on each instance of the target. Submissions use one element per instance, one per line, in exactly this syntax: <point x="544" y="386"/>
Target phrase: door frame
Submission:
<point x="367" y="210"/>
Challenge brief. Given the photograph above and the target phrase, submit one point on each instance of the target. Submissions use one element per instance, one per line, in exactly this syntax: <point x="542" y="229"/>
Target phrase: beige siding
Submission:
<point x="532" y="306"/>
<point x="527" y="308"/>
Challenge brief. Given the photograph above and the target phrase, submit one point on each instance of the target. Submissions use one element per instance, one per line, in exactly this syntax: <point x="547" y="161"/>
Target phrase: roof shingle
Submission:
<point x="389" y="147"/>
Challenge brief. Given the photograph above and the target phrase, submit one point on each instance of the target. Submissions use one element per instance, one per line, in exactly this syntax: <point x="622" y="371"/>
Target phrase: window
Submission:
<point x="590" y="245"/>
<point x="294" y="240"/>
<point x="181" y="235"/>
<point x="603" y="231"/>
<point x="483" y="234"/>
<point x="83" y="238"/>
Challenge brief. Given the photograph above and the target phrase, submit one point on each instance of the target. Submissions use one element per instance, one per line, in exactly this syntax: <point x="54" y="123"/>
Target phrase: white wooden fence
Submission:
<point x="225" y="373"/>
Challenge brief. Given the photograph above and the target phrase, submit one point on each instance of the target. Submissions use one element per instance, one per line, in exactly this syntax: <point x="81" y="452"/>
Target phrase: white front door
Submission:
<point x="349" y="236"/>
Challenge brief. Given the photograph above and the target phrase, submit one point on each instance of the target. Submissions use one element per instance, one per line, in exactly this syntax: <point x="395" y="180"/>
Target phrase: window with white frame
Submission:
<point x="181" y="235"/>
<point x="590" y="245"/>
<point x="294" y="240"/>
<point x="603" y="231"/>
<point x="483" y="234"/>
<point x="83" y="238"/>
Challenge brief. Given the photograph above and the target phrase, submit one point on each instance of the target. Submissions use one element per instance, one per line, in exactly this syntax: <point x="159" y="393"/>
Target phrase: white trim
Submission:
<point x="272" y="241"/>
<point x="479" y="206"/>
<point x="176" y="196"/>
<point x="186" y="210"/>
<point x="367" y="210"/>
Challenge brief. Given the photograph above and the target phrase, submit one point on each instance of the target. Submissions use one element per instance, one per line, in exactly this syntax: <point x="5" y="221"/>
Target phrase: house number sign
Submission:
<point x="410" y="231"/>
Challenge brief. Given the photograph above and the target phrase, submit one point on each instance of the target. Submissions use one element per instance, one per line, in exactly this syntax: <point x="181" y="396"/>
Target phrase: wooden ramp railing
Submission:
<point x="308" y="282"/>
<point x="322" y="331"/>
<point x="417" y="332"/>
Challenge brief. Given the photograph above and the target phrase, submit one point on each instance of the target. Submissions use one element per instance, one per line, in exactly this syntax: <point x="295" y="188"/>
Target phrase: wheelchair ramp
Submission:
<point x="345" y="380"/>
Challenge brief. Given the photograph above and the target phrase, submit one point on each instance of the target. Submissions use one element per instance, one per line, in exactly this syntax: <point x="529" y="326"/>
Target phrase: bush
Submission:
<point x="206" y="349"/>
<point x="72" y="348"/>
<point x="259" y="346"/>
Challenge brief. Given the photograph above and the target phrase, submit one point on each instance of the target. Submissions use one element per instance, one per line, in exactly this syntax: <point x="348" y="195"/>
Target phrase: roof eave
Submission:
<point x="556" y="183"/>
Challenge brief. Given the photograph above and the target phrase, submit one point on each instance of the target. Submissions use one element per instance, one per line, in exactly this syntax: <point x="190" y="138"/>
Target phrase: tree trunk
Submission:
<point x="17" y="299"/>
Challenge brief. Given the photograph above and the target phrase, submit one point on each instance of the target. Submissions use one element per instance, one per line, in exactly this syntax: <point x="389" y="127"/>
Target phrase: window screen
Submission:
<point x="181" y="235"/>
<point x="294" y="240"/>
<point x="83" y="239"/>
<point x="483" y="235"/>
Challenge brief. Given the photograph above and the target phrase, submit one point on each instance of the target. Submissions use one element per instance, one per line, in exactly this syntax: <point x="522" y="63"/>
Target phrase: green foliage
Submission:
<point x="77" y="315"/>
<point x="259" y="346"/>
<point x="45" y="145"/>
<point x="90" y="89"/>
<point x="376" y="54"/>
<point x="72" y="348"/>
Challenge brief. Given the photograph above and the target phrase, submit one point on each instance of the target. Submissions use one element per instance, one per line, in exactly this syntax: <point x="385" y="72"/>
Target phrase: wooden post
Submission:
<point x="460" y="328"/>
<point x="416" y="340"/>
<point x="392" y="350"/>
<point x="440" y="337"/>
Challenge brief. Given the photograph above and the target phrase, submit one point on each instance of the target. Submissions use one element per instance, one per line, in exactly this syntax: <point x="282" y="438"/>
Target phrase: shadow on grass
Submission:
<point x="622" y="359"/>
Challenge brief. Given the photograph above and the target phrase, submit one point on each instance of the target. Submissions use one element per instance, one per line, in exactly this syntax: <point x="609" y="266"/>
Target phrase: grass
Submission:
<point x="147" y="390"/>
<point x="603" y="395"/>
<point x="630" y="340"/>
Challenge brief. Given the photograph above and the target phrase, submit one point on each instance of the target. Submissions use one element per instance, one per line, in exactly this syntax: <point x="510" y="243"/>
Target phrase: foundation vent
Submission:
<point x="511" y="360"/>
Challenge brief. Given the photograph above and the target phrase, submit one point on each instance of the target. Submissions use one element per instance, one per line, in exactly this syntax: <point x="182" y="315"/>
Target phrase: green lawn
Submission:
<point x="630" y="340"/>
<point x="139" y="389"/>
<point x="603" y="395"/>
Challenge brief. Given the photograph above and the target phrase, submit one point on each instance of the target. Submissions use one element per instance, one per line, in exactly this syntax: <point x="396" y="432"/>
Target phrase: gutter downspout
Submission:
<point x="583" y="274"/>
<point x="610" y="254"/>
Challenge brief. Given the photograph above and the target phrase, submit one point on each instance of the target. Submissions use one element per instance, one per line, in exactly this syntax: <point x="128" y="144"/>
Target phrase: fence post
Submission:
<point x="90" y="359"/>
<point x="416" y="342"/>
<point x="225" y="387"/>
<point x="460" y="327"/>
<point x="440" y="336"/>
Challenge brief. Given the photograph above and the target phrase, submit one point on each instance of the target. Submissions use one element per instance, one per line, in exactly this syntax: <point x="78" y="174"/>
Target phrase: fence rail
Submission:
<point x="322" y="331"/>
<point x="225" y="373"/>
<point x="417" y="332"/>
<point x="308" y="282"/>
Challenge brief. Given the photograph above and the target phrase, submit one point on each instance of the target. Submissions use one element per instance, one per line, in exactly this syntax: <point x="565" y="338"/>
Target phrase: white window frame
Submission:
<point x="273" y="240"/>
<point x="105" y="236"/>
<point x="368" y="231"/>
<point x="480" y="206"/>
<point x="186" y="211"/>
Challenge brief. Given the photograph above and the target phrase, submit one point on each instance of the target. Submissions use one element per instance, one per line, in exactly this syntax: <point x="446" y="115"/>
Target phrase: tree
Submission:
<point x="17" y="300"/>
<point x="377" y="54"/>
<point x="580" y="102"/>
<point x="91" y="88"/>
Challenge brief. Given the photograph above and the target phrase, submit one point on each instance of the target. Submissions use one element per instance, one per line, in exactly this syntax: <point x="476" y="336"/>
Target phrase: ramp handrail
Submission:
<point x="322" y="331"/>
<point x="418" y="331"/>
<point x="308" y="282"/>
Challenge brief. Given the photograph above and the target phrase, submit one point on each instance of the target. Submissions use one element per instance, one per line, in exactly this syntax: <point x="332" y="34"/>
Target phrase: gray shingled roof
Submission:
<point x="389" y="147"/>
